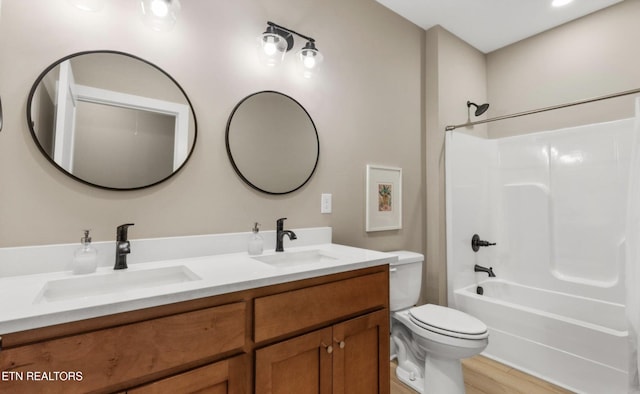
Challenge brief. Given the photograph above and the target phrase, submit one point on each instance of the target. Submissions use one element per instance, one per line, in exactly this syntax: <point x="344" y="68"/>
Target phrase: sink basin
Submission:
<point x="287" y="259"/>
<point x="112" y="282"/>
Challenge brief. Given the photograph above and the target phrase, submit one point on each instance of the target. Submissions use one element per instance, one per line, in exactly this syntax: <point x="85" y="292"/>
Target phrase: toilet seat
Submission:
<point x="448" y="321"/>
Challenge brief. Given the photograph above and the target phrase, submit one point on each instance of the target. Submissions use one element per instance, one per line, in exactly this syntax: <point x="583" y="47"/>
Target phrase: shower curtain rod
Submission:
<point x="535" y="111"/>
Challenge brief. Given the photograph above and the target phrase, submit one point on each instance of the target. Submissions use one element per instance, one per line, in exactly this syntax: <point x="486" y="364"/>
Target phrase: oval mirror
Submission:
<point x="111" y="120"/>
<point x="272" y="142"/>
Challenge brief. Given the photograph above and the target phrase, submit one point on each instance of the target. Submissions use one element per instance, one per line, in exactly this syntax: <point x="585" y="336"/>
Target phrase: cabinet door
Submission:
<point x="299" y="365"/>
<point x="224" y="377"/>
<point x="361" y="355"/>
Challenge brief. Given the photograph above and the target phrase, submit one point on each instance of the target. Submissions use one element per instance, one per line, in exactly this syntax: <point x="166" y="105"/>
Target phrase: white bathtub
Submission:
<point x="576" y="342"/>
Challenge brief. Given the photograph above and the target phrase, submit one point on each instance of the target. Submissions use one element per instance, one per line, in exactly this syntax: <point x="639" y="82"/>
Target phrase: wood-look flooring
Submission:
<point x="485" y="376"/>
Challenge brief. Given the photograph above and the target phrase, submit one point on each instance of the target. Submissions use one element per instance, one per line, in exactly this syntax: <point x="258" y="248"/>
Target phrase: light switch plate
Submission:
<point x="325" y="203"/>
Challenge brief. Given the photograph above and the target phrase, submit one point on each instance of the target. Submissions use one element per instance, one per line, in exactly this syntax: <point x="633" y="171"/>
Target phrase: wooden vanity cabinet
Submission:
<point x="283" y="338"/>
<point x="349" y="357"/>
<point x="348" y="354"/>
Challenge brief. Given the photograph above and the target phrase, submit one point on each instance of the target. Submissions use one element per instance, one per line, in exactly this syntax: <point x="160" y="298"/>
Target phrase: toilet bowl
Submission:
<point x="429" y="340"/>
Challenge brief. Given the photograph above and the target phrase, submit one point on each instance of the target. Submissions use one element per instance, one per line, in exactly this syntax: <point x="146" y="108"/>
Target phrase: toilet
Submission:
<point x="428" y="340"/>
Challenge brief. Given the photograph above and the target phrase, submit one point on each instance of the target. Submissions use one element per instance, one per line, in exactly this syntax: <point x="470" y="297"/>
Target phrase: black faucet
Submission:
<point x="123" y="247"/>
<point x="280" y="233"/>
<point x="479" y="268"/>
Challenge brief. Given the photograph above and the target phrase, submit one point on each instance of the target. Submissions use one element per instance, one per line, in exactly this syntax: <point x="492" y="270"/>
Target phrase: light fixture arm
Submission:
<point x="287" y="34"/>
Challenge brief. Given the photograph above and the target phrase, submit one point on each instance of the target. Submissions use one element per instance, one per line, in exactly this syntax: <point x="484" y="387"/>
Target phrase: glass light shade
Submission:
<point x="310" y="59"/>
<point x="160" y="15"/>
<point x="88" y="5"/>
<point x="271" y="48"/>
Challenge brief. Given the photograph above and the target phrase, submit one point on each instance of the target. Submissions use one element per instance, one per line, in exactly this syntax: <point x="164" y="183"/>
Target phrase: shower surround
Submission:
<point x="555" y="204"/>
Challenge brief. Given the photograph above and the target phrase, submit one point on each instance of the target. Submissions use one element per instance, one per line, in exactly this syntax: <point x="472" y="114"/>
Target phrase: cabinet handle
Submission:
<point x="340" y="343"/>
<point x="328" y="347"/>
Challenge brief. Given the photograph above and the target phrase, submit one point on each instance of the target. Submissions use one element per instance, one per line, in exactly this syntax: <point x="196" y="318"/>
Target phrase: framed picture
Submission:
<point x="384" y="198"/>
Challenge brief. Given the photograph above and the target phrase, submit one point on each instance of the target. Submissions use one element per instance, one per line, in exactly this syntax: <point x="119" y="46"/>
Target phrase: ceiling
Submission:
<point x="492" y="24"/>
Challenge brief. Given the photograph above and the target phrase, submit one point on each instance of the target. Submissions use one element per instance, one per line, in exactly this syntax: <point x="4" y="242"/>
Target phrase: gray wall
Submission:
<point x="365" y="101"/>
<point x="454" y="73"/>
<point x="590" y="57"/>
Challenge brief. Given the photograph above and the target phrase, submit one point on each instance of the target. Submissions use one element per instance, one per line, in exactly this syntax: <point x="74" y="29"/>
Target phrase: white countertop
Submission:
<point x="22" y="307"/>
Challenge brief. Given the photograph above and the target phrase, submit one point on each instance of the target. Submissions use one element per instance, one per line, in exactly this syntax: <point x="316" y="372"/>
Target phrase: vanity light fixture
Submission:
<point x="278" y="40"/>
<point x="273" y="44"/>
<point x="160" y="15"/>
<point x="310" y="58"/>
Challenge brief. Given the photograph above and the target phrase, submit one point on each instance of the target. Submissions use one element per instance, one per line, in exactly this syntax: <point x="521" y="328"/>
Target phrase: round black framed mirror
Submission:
<point x="272" y="142"/>
<point x="111" y="120"/>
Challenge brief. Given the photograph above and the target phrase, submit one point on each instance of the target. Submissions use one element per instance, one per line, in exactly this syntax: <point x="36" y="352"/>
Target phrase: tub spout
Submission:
<point x="489" y="271"/>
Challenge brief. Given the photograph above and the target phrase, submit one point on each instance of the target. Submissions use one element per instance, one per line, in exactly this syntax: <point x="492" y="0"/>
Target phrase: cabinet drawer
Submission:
<point x="295" y="310"/>
<point x="109" y="358"/>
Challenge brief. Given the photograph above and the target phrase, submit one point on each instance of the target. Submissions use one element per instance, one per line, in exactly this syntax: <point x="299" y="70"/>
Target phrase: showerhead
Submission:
<point x="480" y="109"/>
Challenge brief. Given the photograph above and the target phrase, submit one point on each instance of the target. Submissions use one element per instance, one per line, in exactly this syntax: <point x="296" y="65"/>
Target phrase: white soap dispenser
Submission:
<point x="255" y="242"/>
<point x="85" y="259"/>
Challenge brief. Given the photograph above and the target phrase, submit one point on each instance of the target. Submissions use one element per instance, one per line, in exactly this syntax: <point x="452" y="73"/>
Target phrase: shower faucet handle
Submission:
<point x="476" y="243"/>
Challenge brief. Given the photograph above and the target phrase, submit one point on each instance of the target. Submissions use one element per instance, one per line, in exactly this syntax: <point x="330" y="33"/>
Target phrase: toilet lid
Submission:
<point x="448" y="321"/>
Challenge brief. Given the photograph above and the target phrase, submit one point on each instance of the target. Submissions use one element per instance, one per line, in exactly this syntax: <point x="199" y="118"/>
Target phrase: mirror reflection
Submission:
<point x="272" y="142"/>
<point x="111" y="120"/>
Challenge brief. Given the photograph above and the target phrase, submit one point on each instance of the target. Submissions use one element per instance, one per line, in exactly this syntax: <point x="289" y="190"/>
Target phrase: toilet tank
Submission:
<point x="405" y="279"/>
